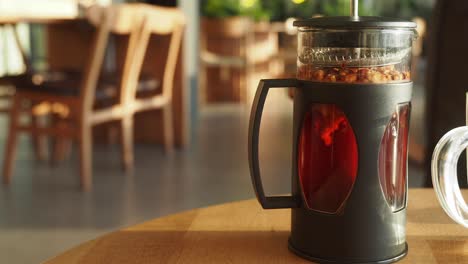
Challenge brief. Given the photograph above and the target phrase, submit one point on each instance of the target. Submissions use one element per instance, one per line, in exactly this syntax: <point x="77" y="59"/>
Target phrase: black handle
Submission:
<point x="274" y="202"/>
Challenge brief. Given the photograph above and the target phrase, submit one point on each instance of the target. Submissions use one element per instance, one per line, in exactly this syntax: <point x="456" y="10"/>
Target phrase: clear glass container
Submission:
<point x="444" y="174"/>
<point x="351" y="52"/>
<point x="354" y="56"/>
<point x="444" y="168"/>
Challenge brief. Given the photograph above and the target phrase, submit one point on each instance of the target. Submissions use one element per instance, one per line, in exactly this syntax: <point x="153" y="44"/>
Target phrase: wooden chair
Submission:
<point x="134" y="99"/>
<point x="234" y="54"/>
<point x="79" y="100"/>
<point x="156" y="21"/>
<point x="224" y="61"/>
<point x="7" y="90"/>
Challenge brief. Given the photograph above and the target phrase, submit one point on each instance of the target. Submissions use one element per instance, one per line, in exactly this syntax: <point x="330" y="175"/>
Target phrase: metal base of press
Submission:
<point x="304" y="255"/>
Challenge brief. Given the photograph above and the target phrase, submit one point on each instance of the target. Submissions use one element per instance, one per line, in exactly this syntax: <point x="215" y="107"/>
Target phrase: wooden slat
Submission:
<point x="54" y="19"/>
<point x="43" y="97"/>
<point x="51" y="131"/>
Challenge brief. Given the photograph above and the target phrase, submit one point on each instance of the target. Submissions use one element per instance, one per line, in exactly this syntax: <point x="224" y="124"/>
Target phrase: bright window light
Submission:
<point x="248" y="3"/>
<point x="297" y="2"/>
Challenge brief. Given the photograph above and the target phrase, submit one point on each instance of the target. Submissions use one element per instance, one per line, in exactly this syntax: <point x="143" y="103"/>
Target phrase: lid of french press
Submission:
<point x="362" y="22"/>
<point x="354" y="21"/>
<point x="355" y="41"/>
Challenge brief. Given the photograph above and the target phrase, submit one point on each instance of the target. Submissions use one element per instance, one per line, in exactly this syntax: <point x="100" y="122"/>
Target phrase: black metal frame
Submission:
<point x="367" y="231"/>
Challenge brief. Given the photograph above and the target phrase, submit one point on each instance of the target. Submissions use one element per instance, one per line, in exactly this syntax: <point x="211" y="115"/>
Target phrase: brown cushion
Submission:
<point x="109" y="83"/>
<point x="67" y="83"/>
<point x="56" y="83"/>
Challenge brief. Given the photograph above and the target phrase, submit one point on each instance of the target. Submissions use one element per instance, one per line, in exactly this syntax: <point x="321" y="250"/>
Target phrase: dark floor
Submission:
<point x="43" y="212"/>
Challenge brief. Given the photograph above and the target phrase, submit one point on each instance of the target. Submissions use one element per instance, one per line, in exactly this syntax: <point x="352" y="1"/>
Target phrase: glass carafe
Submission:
<point x="444" y="173"/>
<point x="328" y="152"/>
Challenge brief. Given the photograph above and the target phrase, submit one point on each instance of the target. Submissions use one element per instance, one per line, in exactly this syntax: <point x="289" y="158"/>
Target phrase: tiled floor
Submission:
<point x="43" y="212"/>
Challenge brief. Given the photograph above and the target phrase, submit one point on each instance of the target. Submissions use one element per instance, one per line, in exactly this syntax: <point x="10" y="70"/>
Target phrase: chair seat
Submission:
<point x="67" y="83"/>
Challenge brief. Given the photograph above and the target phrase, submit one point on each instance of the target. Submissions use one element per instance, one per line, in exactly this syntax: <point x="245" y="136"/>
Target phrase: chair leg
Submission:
<point x="86" y="157"/>
<point x="61" y="149"/>
<point x="39" y="141"/>
<point x="127" y="142"/>
<point x="10" y="150"/>
<point x="112" y="132"/>
<point x="61" y="145"/>
<point x="168" y="126"/>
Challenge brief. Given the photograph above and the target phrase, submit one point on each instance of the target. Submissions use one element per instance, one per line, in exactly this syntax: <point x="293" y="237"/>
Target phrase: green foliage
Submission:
<point x="306" y="9"/>
<point x="276" y="9"/>
<point x="229" y="8"/>
<point x="405" y="9"/>
<point x="279" y="10"/>
<point x="220" y="8"/>
<point x="342" y="8"/>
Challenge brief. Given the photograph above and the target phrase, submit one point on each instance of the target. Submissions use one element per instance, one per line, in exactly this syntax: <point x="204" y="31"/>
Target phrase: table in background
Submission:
<point x="242" y="232"/>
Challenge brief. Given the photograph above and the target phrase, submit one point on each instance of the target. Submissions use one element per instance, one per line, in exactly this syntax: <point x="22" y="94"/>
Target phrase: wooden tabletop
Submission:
<point x="36" y="20"/>
<point x="38" y="11"/>
<point x="242" y="232"/>
<point x="39" y="18"/>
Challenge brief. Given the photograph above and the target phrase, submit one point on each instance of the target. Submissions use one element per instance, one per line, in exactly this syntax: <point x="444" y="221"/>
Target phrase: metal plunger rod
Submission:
<point x="354" y="8"/>
<point x="466" y="121"/>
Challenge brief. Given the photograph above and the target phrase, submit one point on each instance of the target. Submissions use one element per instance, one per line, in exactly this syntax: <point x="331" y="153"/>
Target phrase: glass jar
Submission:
<point x="354" y="55"/>
<point x="368" y="50"/>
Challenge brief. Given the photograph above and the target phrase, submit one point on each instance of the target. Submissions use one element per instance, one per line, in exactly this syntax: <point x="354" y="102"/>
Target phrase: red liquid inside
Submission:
<point x="393" y="158"/>
<point x="327" y="158"/>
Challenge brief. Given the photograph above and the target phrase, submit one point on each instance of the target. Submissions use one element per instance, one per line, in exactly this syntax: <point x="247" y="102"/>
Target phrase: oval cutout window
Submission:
<point x="393" y="162"/>
<point x="327" y="158"/>
<point x="393" y="158"/>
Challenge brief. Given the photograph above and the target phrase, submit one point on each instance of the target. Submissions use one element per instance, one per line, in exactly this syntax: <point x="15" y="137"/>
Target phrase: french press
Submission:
<point x="350" y="135"/>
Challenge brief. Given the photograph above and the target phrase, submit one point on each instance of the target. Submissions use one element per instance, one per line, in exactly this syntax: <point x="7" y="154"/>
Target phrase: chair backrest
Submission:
<point x="155" y="21"/>
<point x="123" y="19"/>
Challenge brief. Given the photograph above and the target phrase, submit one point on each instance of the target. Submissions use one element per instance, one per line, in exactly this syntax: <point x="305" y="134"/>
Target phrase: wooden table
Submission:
<point x="242" y="232"/>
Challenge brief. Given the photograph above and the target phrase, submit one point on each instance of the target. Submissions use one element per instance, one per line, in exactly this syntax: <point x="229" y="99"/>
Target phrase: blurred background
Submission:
<point x="190" y="83"/>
